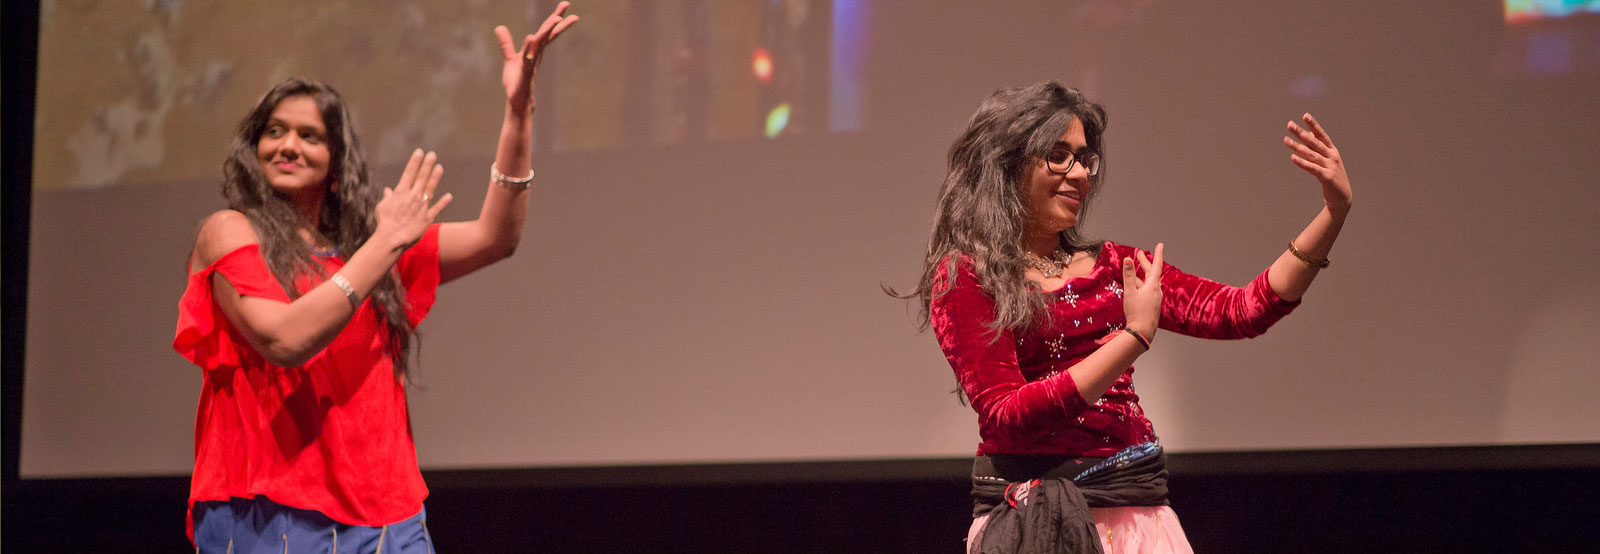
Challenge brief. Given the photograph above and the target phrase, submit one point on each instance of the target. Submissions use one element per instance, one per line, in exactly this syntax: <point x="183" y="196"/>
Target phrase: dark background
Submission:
<point x="1498" y="499"/>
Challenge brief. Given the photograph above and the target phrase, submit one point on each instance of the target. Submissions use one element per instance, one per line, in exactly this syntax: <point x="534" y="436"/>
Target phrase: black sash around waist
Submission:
<point x="1040" y="503"/>
<point x="1140" y="481"/>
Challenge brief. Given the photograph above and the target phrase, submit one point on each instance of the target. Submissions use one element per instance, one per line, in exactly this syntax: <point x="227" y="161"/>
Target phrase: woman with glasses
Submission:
<point x="1042" y="326"/>
<point x="301" y="309"/>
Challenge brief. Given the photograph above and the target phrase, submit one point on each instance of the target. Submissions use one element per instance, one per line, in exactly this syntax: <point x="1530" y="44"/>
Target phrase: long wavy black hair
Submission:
<point x="982" y="210"/>
<point x="346" y="220"/>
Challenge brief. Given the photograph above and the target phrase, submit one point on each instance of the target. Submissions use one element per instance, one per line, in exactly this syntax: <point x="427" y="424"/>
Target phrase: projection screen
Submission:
<point x="724" y="186"/>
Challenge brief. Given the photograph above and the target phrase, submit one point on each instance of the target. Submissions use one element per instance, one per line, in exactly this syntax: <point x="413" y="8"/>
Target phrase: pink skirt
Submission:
<point x="1129" y="530"/>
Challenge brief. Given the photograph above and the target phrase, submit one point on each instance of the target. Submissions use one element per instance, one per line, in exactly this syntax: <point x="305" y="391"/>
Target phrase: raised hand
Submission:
<point x="406" y="210"/>
<point x="1141" y="298"/>
<point x="1314" y="152"/>
<point x="522" y="64"/>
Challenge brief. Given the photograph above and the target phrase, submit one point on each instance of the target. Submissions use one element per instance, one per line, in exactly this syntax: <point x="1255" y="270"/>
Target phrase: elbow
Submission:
<point x="507" y="247"/>
<point x="283" y="353"/>
<point x="1010" y="431"/>
<point x="1011" y="426"/>
<point x="1255" y="324"/>
<point x="501" y="248"/>
<point x="289" y="358"/>
<point x="1028" y="417"/>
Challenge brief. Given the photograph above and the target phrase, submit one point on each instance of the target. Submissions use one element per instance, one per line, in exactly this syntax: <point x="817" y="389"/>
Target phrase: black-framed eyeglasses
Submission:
<point x="1061" y="160"/>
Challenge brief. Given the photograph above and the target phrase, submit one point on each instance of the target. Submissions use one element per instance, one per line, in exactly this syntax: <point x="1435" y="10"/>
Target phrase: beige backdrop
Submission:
<point x="683" y="299"/>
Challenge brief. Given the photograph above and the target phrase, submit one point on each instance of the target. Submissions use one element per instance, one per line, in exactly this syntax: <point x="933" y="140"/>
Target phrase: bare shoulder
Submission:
<point x="222" y="232"/>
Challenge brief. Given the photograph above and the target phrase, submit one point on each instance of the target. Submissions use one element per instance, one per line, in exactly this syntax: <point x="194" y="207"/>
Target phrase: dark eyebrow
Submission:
<point x="1068" y="147"/>
<point x="302" y="128"/>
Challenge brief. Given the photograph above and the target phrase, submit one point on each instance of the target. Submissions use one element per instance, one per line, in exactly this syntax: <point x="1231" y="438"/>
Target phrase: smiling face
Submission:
<point x="293" y="150"/>
<point x="1055" y="200"/>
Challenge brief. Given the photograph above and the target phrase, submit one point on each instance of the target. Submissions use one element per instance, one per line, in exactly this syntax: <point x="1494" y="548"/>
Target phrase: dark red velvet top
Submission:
<point x="332" y="435"/>
<point x="1026" y="401"/>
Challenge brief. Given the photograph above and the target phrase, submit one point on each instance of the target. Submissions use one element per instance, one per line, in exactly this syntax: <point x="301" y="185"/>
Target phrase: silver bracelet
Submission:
<point x="349" y="291"/>
<point x="508" y="182"/>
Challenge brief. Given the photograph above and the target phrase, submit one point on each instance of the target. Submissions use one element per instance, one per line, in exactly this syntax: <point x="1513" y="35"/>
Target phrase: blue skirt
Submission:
<point x="258" y="525"/>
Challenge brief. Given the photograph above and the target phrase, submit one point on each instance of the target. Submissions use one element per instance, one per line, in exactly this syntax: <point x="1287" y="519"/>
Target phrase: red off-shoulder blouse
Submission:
<point x="1026" y="401"/>
<point x="332" y="435"/>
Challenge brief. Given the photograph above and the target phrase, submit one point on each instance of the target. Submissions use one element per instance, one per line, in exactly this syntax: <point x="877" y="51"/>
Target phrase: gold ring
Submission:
<point x="426" y="196"/>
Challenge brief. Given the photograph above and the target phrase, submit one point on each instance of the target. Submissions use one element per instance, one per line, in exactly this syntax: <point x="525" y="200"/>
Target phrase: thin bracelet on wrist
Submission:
<point x="349" y="290"/>
<point x="1308" y="260"/>
<point x="1138" y="337"/>
<point x="510" y="182"/>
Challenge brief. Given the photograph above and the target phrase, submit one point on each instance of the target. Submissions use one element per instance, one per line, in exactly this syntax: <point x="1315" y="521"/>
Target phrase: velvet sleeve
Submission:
<point x="1200" y="307"/>
<point x="985" y="364"/>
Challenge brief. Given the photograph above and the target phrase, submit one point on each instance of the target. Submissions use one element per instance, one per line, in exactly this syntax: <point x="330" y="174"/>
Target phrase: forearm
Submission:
<point x="1289" y="276"/>
<point x="505" y="210"/>
<point x="289" y="335"/>
<point x="1095" y="373"/>
<point x="1025" y="411"/>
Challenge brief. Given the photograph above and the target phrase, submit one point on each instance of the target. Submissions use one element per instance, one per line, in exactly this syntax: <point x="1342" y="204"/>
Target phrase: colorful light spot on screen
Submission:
<point x="847" y="106"/>
<point x="1522" y="11"/>
<point x="1309" y="86"/>
<point x="761" y="65"/>
<point x="777" y="119"/>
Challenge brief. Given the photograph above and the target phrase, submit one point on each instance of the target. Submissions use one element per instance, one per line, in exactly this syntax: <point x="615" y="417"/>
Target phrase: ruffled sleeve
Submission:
<point x="204" y="335"/>
<point x="1200" y="307"/>
<point x="419" y="274"/>
<point x="1008" y="406"/>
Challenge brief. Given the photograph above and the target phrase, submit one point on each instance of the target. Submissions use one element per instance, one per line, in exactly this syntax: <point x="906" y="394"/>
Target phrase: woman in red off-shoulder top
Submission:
<point x="301" y="310"/>
<point x="1042" y="326"/>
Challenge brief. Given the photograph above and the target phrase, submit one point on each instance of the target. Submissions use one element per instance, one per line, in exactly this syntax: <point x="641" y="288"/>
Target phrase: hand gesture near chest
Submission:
<point x="1141" y="297"/>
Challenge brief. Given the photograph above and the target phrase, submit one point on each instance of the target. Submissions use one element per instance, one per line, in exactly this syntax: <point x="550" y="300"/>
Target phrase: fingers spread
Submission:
<point x="562" y="27"/>
<point x="1306" y="165"/>
<point x="1308" y="139"/>
<point x="1130" y="279"/>
<point x="502" y="34"/>
<point x="433" y="181"/>
<point x="1305" y="152"/>
<point x="550" y="23"/>
<point x="530" y="53"/>
<point x="438" y="207"/>
<point x="1317" y="128"/>
<point x="410" y="172"/>
<point x="1160" y="262"/>
<point x="424" y="174"/>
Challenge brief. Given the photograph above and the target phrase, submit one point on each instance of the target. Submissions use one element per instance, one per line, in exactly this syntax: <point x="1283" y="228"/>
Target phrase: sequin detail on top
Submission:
<point x="1026" y="401"/>
<point x="1068" y="296"/>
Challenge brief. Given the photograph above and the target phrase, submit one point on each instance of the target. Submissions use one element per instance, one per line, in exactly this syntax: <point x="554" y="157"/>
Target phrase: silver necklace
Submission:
<point x="1052" y="267"/>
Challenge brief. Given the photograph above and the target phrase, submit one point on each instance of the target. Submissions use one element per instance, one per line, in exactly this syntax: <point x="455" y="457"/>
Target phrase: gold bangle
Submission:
<point x="1314" y="263"/>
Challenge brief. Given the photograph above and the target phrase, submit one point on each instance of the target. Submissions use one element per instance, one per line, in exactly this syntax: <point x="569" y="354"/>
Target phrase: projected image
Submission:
<point x="1522" y="11"/>
<point x="1550" y="38"/>
<point x="714" y="70"/>
<point x="155" y="100"/>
